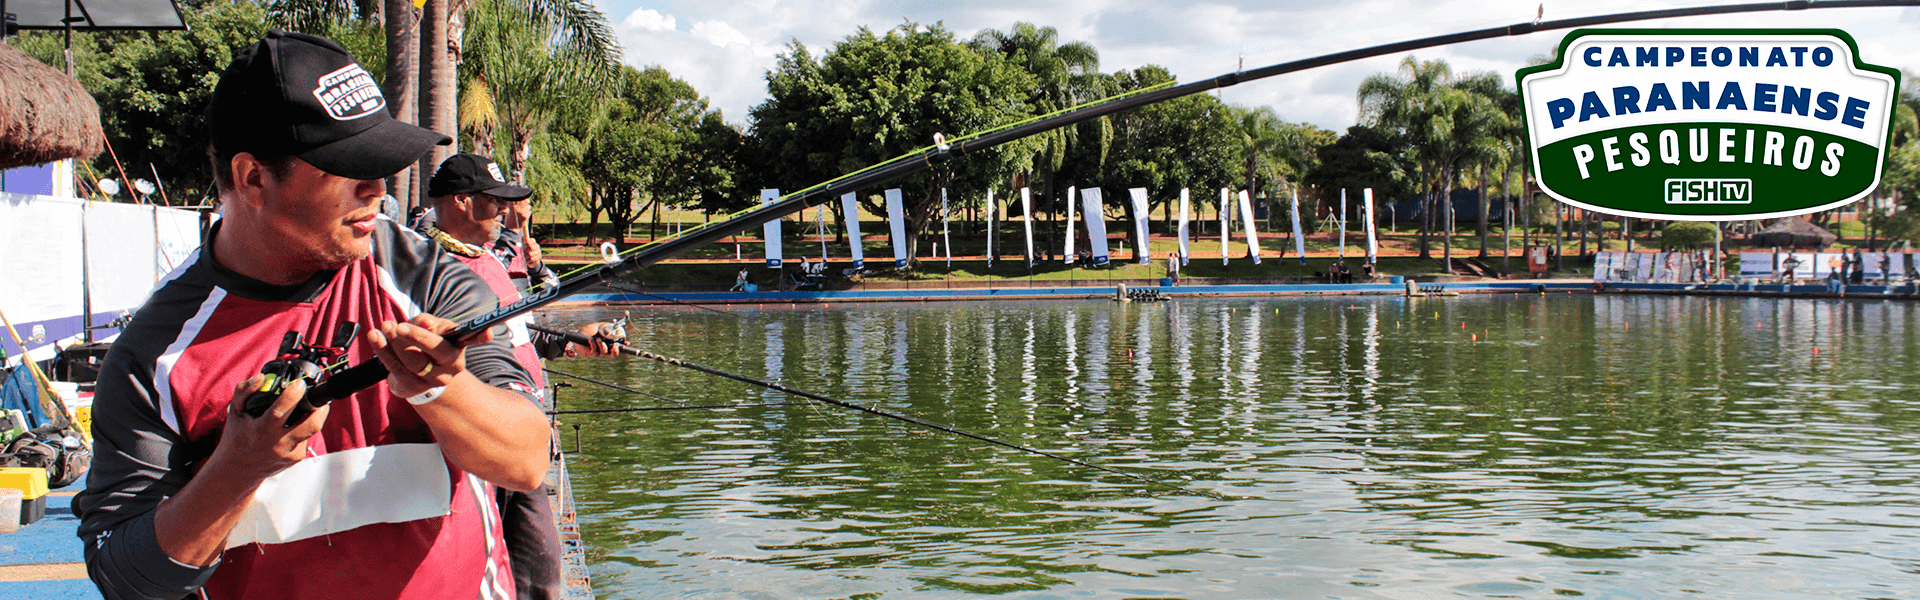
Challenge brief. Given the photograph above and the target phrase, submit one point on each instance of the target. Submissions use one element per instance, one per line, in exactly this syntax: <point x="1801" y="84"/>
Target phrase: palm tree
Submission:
<point x="1068" y="74"/>
<point x="1464" y="132"/>
<point x="444" y="39"/>
<point x="1399" y="104"/>
<point x="1448" y="122"/>
<point x="437" y="83"/>
<point x="522" y="71"/>
<point x="401" y="22"/>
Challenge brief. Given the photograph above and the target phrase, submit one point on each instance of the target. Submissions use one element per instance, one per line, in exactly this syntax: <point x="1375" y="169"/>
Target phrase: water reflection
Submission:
<point x="1383" y="447"/>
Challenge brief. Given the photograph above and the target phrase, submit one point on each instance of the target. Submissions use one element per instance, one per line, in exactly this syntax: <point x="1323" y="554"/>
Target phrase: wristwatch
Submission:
<point x="427" y="396"/>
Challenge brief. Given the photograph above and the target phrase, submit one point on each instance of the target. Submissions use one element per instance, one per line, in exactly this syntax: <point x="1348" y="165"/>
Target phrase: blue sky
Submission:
<point x="725" y="47"/>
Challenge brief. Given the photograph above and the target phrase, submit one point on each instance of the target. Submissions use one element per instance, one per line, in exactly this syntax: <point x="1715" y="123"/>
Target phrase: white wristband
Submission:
<point x="427" y="396"/>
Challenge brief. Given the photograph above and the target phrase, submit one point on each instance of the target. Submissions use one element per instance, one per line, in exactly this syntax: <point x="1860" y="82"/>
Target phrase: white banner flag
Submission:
<point x="1091" y="204"/>
<point x="1299" y="242"/>
<point x="897" y="224"/>
<point x="1066" y="256"/>
<point x="823" y="234"/>
<point x="1342" y="241"/>
<point x="852" y="208"/>
<point x="1373" y="248"/>
<point x="1246" y="215"/>
<point x="771" y="231"/>
<point x="1026" y="215"/>
<point x="1142" y="254"/>
<point x="1226" y="225"/>
<point x="1183" y="226"/>
<point x="946" y="218"/>
<point x="993" y="230"/>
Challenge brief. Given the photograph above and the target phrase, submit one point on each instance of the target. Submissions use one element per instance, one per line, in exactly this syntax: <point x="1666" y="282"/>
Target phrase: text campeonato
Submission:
<point x="1700" y="56"/>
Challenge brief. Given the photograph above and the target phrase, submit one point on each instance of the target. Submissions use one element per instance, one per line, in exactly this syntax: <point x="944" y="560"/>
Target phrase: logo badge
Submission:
<point x="1708" y="125"/>
<point x="349" y="93"/>
<point x="494" y="170"/>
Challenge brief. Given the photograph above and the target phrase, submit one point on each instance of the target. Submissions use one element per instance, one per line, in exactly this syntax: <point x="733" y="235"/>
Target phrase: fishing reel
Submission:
<point x="617" y="333"/>
<point x="298" y="361"/>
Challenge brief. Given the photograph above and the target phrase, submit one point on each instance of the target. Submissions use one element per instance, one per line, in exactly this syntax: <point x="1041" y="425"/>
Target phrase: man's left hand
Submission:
<point x="532" y="248"/>
<point x="602" y="345"/>
<point x="417" y="357"/>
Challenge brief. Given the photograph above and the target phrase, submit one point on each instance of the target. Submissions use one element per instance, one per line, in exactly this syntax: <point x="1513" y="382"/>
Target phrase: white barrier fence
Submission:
<point x="50" y="274"/>
<point x="1695" y="266"/>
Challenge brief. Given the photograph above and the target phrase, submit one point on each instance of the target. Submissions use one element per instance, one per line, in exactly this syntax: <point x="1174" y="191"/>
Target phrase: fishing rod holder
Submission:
<point x="298" y="361"/>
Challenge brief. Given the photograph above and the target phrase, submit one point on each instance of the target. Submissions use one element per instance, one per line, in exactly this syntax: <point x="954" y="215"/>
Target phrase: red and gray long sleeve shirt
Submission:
<point x="375" y="512"/>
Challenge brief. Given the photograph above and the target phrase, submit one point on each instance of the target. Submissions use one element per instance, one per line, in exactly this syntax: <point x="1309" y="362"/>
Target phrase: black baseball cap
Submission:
<point x="293" y="94"/>
<point x="473" y="174"/>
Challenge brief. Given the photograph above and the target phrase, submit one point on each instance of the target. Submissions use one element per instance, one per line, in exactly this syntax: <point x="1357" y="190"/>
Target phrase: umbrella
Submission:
<point x="44" y="114"/>
<point x="1793" y="232"/>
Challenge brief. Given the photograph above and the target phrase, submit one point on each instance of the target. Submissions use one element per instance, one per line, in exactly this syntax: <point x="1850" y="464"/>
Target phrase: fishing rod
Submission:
<point x="632" y="351"/>
<point x="345" y="382"/>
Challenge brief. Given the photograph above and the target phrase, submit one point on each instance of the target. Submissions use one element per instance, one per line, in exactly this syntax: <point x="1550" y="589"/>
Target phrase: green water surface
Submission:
<point x="1484" y="446"/>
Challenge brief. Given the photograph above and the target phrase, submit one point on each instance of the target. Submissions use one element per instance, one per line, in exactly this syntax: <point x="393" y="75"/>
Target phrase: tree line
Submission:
<point x="540" y="86"/>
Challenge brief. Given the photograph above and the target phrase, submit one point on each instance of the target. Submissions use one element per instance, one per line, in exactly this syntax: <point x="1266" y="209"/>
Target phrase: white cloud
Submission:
<point x="719" y="33"/>
<point x="648" y="20"/>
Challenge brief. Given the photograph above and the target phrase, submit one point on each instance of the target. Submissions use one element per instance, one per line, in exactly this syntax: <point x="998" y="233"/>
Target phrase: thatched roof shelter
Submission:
<point x="44" y="114"/>
<point x="1793" y="232"/>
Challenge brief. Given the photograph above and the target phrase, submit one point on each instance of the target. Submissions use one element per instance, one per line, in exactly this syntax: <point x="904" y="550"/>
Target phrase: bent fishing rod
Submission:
<point x="623" y="348"/>
<point x="344" y="382"/>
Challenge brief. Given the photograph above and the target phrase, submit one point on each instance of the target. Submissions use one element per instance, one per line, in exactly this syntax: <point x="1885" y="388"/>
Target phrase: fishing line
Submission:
<point x="608" y="383"/>
<point x="618" y="286"/>
<point x="632" y="351"/>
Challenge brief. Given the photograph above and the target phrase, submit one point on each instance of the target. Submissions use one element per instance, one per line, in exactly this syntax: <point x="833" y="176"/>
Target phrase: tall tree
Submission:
<point x="657" y="143"/>
<point x="872" y="98"/>
<point x="1447" y="122"/>
<point x="1398" y="104"/>
<point x="438" y="85"/>
<point x="401" y="24"/>
<point x="1190" y="142"/>
<point x="153" y="90"/>
<point x="523" y="67"/>
<point x="1064" y="75"/>
<point x="1365" y="157"/>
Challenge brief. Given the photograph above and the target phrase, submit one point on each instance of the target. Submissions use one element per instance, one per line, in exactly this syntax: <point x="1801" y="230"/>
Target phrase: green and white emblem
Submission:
<point x="1708" y="125"/>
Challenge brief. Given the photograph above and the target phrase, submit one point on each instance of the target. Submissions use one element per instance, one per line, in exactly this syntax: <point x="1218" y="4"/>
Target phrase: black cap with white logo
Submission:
<point x="302" y="95"/>
<point x="473" y="174"/>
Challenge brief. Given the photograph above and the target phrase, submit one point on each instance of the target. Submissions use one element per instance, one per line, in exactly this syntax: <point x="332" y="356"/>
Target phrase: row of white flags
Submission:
<point x="1090" y="207"/>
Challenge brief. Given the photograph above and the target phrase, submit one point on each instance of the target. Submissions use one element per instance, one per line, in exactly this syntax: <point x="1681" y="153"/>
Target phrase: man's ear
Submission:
<point x="250" y="178"/>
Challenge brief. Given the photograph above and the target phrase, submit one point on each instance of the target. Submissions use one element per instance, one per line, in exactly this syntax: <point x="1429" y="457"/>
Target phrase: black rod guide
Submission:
<point x="368" y="373"/>
<point x="632" y="351"/>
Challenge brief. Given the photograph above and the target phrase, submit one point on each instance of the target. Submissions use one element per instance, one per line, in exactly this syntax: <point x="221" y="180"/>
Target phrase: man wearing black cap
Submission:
<point x="469" y="195"/>
<point x="385" y="494"/>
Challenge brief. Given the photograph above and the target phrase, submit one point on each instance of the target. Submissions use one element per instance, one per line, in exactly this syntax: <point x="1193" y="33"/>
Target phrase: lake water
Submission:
<point x="1369" y="447"/>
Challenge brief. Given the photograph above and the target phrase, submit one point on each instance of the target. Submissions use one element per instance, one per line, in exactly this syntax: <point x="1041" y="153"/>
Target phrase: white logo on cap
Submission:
<point x="349" y="93"/>
<point x="494" y="169"/>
